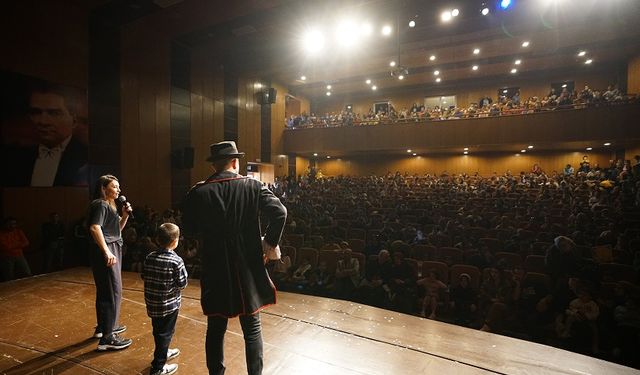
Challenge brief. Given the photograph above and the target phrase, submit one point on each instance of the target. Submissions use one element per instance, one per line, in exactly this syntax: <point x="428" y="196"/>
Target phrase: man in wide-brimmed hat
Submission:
<point x="224" y="211"/>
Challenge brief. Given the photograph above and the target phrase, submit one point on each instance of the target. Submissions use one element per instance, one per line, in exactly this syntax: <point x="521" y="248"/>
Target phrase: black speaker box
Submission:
<point x="272" y="95"/>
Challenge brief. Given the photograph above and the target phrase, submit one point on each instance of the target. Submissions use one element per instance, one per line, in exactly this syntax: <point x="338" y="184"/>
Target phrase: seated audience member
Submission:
<point x="301" y="275"/>
<point x="579" y="319"/>
<point x="432" y="290"/>
<point x="347" y="276"/>
<point x="13" y="241"/>
<point x="374" y="288"/>
<point x="568" y="170"/>
<point x="464" y="300"/>
<point x="321" y="280"/>
<point x="562" y="259"/>
<point x="402" y="284"/>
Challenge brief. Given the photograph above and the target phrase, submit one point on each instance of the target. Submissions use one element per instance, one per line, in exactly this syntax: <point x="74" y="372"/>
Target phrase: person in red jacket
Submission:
<point x="13" y="241"/>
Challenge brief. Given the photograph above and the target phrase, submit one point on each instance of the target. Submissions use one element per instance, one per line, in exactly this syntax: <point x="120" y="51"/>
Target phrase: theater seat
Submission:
<point x="441" y="269"/>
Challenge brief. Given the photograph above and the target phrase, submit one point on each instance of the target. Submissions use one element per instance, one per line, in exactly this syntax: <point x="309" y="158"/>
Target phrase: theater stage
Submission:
<point x="46" y="322"/>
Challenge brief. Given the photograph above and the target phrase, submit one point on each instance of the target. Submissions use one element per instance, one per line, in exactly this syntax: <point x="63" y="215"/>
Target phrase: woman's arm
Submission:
<point x="98" y="237"/>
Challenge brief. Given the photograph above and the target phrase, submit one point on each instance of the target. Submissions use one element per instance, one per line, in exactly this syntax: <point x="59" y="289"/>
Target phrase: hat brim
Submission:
<point x="229" y="156"/>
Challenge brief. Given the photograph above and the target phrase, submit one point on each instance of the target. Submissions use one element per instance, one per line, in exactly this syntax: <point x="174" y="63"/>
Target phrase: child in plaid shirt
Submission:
<point x="164" y="277"/>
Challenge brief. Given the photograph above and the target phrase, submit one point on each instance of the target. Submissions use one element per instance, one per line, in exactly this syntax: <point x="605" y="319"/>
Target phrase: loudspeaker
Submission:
<point x="272" y="95"/>
<point x="260" y="98"/>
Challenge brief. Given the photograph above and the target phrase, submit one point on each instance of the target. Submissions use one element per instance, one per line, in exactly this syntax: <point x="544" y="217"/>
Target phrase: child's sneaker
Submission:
<point x="166" y="370"/>
<point x="172" y="353"/>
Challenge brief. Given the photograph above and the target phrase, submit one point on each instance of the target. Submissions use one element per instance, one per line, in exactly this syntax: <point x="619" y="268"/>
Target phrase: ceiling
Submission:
<point x="267" y="44"/>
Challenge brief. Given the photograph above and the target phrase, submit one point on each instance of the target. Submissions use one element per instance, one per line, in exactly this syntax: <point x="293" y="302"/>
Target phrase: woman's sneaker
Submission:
<point x="166" y="370"/>
<point x="114" y="342"/>
<point x="97" y="334"/>
<point x="172" y="353"/>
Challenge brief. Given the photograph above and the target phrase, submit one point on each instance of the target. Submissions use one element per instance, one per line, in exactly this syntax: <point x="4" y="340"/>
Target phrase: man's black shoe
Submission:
<point x="114" y="342"/>
<point x="97" y="334"/>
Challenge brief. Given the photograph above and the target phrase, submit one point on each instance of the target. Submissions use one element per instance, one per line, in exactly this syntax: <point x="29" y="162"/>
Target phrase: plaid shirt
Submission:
<point x="164" y="277"/>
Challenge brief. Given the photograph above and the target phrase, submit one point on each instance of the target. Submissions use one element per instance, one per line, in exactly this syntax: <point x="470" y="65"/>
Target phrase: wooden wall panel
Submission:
<point x="277" y="121"/>
<point x="485" y="164"/>
<point x="301" y="165"/>
<point x="633" y="76"/>
<point x="248" y="120"/>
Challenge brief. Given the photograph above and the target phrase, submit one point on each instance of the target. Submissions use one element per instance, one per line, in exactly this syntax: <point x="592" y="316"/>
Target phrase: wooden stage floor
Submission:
<point x="46" y="323"/>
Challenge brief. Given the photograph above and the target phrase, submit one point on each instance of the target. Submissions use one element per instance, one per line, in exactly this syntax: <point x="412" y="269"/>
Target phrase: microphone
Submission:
<point x="122" y="200"/>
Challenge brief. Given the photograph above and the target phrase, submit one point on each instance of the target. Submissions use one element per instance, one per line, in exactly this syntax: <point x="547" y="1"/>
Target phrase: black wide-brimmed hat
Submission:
<point x="224" y="150"/>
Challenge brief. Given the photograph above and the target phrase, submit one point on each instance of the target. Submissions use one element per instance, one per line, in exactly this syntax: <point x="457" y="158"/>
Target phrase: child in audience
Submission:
<point x="432" y="287"/>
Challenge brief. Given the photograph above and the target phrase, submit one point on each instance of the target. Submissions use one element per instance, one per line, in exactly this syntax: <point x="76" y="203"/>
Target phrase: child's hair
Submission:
<point x="167" y="233"/>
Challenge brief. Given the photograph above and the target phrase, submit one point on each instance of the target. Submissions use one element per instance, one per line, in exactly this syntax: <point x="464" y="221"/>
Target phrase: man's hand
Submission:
<point x="110" y="258"/>
<point x="271" y="252"/>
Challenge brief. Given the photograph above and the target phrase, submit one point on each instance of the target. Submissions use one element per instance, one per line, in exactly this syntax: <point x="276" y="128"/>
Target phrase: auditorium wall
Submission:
<point x="633" y="75"/>
<point x="485" y="164"/>
<point x="465" y="94"/>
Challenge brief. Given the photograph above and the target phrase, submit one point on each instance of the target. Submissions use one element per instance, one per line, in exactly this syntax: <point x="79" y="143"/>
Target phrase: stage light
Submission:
<point x="505" y="4"/>
<point x="328" y="87"/>
<point x="476" y="51"/>
<point x="313" y="41"/>
<point x="432" y="58"/>
<point x="303" y="78"/>
<point x="514" y="71"/>
<point x="505" y="91"/>
<point x="438" y="80"/>
<point x="412" y="23"/>
<point x="530" y="147"/>
<point x="392" y="63"/>
<point x="455" y="12"/>
<point x="414" y="154"/>
<point x="328" y="93"/>
<point x="475" y="67"/>
<point x="366" y="29"/>
<point x="374" y="87"/>
<point x="565" y="85"/>
<point x="386" y="30"/>
<point x="589" y="148"/>
<point x="346" y="33"/>
<point x="525" y="44"/>
<point x="257" y="86"/>
<point x="465" y="149"/>
<point x="484" y="11"/>
<point x="409" y="151"/>
<point x="588" y="61"/>
<point x="436" y="72"/>
<point x="582" y="53"/>
<point x="523" y="151"/>
<point x="328" y="157"/>
<point x="368" y="82"/>
<point x="401" y="77"/>
<point x="315" y="154"/>
<point x="466" y="152"/>
<point x="518" y="62"/>
<point x="607" y="144"/>
<point x="446" y="16"/>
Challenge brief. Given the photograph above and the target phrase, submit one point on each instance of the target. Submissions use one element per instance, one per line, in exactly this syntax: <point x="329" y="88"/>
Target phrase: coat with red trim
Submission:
<point x="224" y="212"/>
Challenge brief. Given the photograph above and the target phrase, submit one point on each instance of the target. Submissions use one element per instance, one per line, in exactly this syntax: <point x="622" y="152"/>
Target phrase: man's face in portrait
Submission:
<point x="51" y="117"/>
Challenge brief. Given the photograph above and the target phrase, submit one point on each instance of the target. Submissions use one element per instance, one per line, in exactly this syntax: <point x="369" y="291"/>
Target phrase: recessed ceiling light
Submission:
<point x="465" y="149"/>
<point x="455" y="12"/>
<point x="412" y="23"/>
<point x="374" y="87"/>
<point x="328" y="87"/>
<point x="525" y="44"/>
<point x="475" y="67"/>
<point x="518" y="62"/>
<point x="484" y="11"/>
<point x="414" y="154"/>
<point x="328" y="93"/>
<point x="386" y="30"/>
<point x="523" y="150"/>
<point x="432" y="58"/>
<point x="368" y="82"/>
<point x="392" y="63"/>
<point x="328" y="157"/>
<point x="446" y="16"/>
<point x="607" y="144"/>
<point x="588" y="61"/>
<point x="476" y="51"/>
<point x="582" y="53"/>
<point x="409" y="151"/>
<point x="565" y="85"/>
<point x="436" y="72"/>
<point x="530" y="147"/>
<point x="514" y="71"/>
<point x="438" y="79"/>
<point x="466" y="152"/>
<point x="401" y="77"/>
<point x="505" y="91"/>
<point x="315" y="154"/>
<point x="589" y="148"/>
<point x="304" y="78"/>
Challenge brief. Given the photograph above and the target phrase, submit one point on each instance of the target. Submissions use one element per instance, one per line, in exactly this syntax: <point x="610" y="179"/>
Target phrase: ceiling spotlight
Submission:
<point x="565" y="85"/>
<point x="588" y="61"/>
<point x="412" y="23"/>
<point x="530" y="147"/>
<point x="392" y="63"/>
<point x="446" y="16"/>
<point x="514" y="71"/>
<point x="315" y="154"/>
<point x="589" y="148"/>
<point x="401" y="77"/>
<point x="607" y="144"/>
<point x="436" y="72"/>
<point x="328" y="87"/>
<point x="505" y="4"/>
<point x="328" y="157"/>
<point x="465" y="149"/>
<point x="518" y="62"/>
<point x="466" y="152"/>
<point x="484" y="11"/>
<point x="432" y="58"/>
<point x="455" y="12"/>
<point x="366" y="29"/>
<point x="368" y="82"/>
<point x="303" y="78"/>
<point x="328" y="93"/>
<point x="476" y="51"/>
<point x="409" y="151"/>
<point x="386" y="30"/>
<point x="374" y="87"/>
<point x="313" y="41"/>
<point x="258" y="85"/>
<point x="505" y="91"/>
<point x="475" y="67"/>
<point x="582" y="53"/>
<point x="525" y="44"/>
<point x="414" y="154"/>
<point x="438" y="80"/>
<point x="523" y="151"/>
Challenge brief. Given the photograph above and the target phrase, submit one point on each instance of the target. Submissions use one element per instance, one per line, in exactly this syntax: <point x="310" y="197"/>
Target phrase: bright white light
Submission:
<point x="518" y="62"/>
<point x="436" y="72"/>
<point x="504" y="4"/>
<point x="476" y="51"/>
<point x="438" y="79"/>
<point x="313" y="41"/>
<point x="525" y="44"/>
<point x="505" y="91"/>
<point x="442" y="97"/>
<point x="257" y="85"/>
<point x="368" y="82"/>
<point x="514" y="71"/>
<point x="392" y="63"/>
<point x="530" y="147"/>
<point x="446" y="16"/>
<point x="328" y="93"/>
<point x="432" y="58"/>
<point x="523" y="151"/>
<point x="484" y="11"/>
<point x="465" y="149"/>
<point x="374" y="87"/>
<point x="608" y="144"/>
<point x="414" y="154"/>
<point x="517" y="154"/>
<point x="346" y="33"/>
<point x="386" y="30"/>
<point x="366" y="29"/>
<point x="466" y="152"/>
<point x="589" y="148"/>
<point x="412" y="23"/>
<point x="315" y="154"/>
<point x="455" y="12"/>
<point x="582" y="53"/>
<point x="565" y="85"/>
<point x="328" y="87"/>
<point x="328" y="157"/>
<point x="303" y="78"/>
<point x="588" y="61"/>
<point x="401" y="77"/>
<point x="475" y="67"/>
<point x="409" y="151"/>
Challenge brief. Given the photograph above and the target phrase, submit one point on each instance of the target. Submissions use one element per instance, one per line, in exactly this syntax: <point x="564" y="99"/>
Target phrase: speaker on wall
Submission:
<point x="272" y="95"/>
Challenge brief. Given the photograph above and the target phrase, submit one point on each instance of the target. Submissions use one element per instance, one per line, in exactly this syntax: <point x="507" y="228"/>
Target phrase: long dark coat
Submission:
<point x="224" y="211"/>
